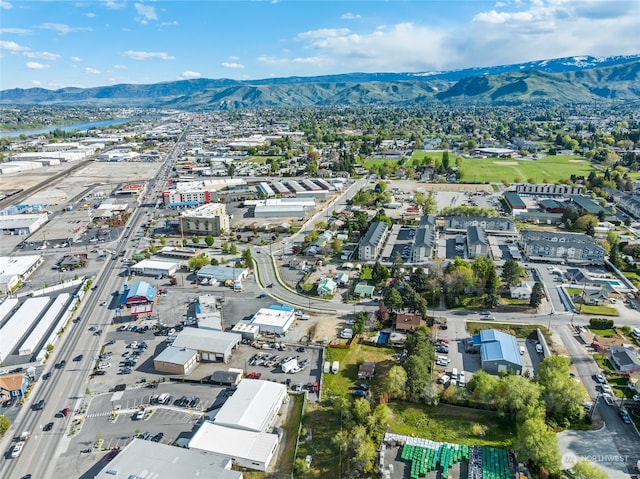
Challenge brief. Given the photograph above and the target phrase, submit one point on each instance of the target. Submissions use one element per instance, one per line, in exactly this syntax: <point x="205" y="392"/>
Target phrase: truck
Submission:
<point x="335" y="367"/>
<point x="289" y="366"/>
<point x="327" y="367"/>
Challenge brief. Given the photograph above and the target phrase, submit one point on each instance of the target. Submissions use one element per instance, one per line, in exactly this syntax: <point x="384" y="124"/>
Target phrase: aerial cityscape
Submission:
<point x="372" y="251"/>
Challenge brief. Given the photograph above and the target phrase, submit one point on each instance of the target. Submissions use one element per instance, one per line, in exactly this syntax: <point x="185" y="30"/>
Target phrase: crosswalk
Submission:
<point x="97" y="414"/>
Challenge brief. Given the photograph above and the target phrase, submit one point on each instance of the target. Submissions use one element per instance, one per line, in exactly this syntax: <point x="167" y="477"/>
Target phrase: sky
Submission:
<point x="54" y="44"/>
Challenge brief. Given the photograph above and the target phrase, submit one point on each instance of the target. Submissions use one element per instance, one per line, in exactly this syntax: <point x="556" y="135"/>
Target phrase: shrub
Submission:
<point x="601" y="323"/>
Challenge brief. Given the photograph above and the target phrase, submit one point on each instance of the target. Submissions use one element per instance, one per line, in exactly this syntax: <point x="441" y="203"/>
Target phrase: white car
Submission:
<point x="600" y="378"/>
<point x="104" y="365"/>
<point x="462" y="381"/>
<point x="606" y="389"/>
<point x="608" y="399"/>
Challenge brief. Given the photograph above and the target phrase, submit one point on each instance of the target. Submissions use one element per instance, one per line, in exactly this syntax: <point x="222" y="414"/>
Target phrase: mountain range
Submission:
<point x="562" y="80"/>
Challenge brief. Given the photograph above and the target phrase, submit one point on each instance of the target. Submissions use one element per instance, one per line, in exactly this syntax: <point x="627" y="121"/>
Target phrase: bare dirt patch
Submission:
<point x="577" y="161"/>
<point x="506" y="163"/>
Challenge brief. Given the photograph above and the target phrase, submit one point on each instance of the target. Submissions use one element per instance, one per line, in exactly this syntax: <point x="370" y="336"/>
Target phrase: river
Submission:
<point x="76" y="126"/>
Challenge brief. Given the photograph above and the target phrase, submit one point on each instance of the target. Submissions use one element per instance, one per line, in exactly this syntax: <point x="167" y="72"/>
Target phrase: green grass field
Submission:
<point x="510" y="170"/>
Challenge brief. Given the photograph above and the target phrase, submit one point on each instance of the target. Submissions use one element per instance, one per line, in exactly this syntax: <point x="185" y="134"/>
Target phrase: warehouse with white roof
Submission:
<point x="211" y="345"/>
<point x="150" y="267"/>
<point x="254" y="406"/>
<point x="275" y="319"/>
<point x="250" y="449"/>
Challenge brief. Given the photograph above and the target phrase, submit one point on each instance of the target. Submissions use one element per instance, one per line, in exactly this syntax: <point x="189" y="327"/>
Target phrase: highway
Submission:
<point x="67" y="386"/>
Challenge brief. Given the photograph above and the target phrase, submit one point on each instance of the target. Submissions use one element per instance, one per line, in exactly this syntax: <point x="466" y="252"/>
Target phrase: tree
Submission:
<point x="395" y="381"/>
<point x="392" y="299"/>
<point x="379" y="272"/>
<point x="336" y="245"/>
<point x="5" y="424"/>
<point x="361" y="409"/>
<point x="483" y="386"/>
<point x="537" y="445"/>
<point x="195" y="239"/>
<point x="418" y="279"/>
<point x="562" y="395"/>
<point x="418" y="377"/>
<point x="209" y="240"/>
<point x="583" y="469"/>
<point x="536" y="295"/>
<point x="512" y="271"/>
<point x="428" y="203"/>
<point x="198" y="262"/>
<point x="233" y="249"/>
<point x="247" y="258"/>
<point x="514" y="393"/>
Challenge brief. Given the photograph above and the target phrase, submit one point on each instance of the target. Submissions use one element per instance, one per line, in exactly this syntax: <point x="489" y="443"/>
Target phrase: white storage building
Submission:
<point x="211" y="345"/>
<point x="22" y="225"/>
<point x="31" y="343"/>
<point x="20" y="323"/>
<point x="250" y="449"/>
<point x="275" y="319"/>
<point x="254" y="406"/>
<point x="150" y="267"/>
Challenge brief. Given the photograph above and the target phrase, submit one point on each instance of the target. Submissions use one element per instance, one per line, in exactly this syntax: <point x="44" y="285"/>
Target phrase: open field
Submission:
<point x="510" y="170"/>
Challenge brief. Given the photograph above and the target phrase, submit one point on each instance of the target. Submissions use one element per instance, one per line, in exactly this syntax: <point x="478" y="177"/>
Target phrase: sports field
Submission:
<point x="511" y="170"/>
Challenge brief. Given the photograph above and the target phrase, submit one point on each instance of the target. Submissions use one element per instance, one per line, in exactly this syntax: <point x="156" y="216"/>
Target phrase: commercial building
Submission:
<point x="281" y="207"/>
<point x="222" y="273"/>
<point x="208" y="219"/>
<point x="372" y="243"/>
<point x="548" y="190"/>
<point x="254" y="406"/>
<point x="248" y="449"/>
<point x="148" y="459"/>
<point x="176" y="197"/>
<point x="498" y="351"/>
<point x="211" y="345"/>
<point x="22" y="225"/>
<point x="151" y="267"/>
<point x="16" y="269"/>
<point x="174" y="360"/>
<point x="276" y="319"/>
<point x="139" y="293"/>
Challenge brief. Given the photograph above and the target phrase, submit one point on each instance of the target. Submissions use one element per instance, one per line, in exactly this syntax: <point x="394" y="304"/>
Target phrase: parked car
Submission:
<point x="359" y="392"/>
<point x="600" y="378"/>
<point x="625" y="417"/>
<point x="111" y="454"/>
<point x="158" y="437"/>
<point x="100" y="372"/>
<point x="608" y="399"/>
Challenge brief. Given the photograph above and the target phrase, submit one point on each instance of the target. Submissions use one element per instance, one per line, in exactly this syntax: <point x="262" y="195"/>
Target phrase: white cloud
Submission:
<point x="90" y="15"/>
<point x="36" y="66"/>
<point x="5" y="5"/>
<point x="113" y="5"/>
<point x="76" y="59"/>
<point x="187" y="75"/>
<point x="350" y="16"/>
<point x="324" y="32"/>
<point x="92" y="71"/>
<point x="12" y="46"/>
<point x="42" y="55"/>
<point x="63" y="29"/>
<point x="15" y="31"/>
<point x="145" y="13"/>
<point x="233" y="58"/>
<point x="36" y="82"/>
<point x="119" y="67"/>
<point x="232" y="65"/>
<point x="148" y="55"/>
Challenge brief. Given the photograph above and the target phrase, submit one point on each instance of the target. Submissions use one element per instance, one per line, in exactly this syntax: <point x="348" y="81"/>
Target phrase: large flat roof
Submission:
<point x="153" y="460"/>
<point x="272" y="317"/>
<point x="174" y="355"/>
<point x="18" y="265"/>
<point x="206" y="340"/>
<point x="252" y="405"/>
<point x="237" y="443"/>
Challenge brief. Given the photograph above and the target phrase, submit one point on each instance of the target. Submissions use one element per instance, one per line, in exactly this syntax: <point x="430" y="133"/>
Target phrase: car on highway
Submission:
<point x="61" y="364"/>
<point x="78" y="357"/>
<point x="48" y="426"/>
<point x="38" y="406"/>
<point x="46" y="376"/>
<point x="103" y="303"/>
<point x="625" y="417"/>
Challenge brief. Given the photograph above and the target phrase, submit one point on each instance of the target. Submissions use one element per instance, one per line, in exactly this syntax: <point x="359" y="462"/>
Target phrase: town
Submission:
<point x="339" y="292"/>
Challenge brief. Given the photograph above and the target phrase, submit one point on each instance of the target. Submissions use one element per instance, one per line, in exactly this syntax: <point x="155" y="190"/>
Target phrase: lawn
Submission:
<point x="603" y="333"/>
<point x="550" y="169"/>
<point x="442" y="423"/>
<point x="521" y="331"/>
<point x="452" y="424"/>
<point x="599" y="310"/>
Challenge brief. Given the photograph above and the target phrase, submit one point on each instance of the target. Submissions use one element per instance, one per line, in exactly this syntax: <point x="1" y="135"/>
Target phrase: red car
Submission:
<point x="112" y="453"/>
<point x="65" y="412"/>
<point x="254" y="375"/>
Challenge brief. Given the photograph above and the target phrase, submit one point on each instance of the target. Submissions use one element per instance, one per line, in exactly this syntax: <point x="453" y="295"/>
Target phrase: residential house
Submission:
<point x="327" y="287"/>
<point x="477" y="242"/>
<point x="409" y="322"/>
<point x="624" y="359"/>
<point x="363" y="290"/>
<point x="497" y="225"/>
<point x="12" y="386"/>
<point x="576" y="248"/>
<point x="372" y="243"/>
<point x="522" y="291"/>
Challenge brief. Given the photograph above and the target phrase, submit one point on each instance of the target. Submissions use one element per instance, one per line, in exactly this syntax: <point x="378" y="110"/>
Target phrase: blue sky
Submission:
<point x="55" y="44"/>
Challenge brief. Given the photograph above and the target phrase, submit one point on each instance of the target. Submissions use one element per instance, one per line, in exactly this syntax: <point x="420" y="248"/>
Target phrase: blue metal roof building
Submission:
<point x="498" y="352"/>
<point x="140" y="292"/>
